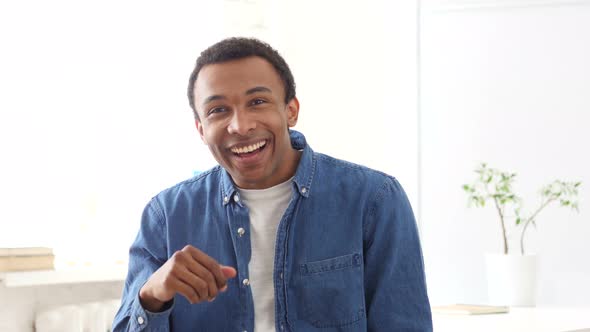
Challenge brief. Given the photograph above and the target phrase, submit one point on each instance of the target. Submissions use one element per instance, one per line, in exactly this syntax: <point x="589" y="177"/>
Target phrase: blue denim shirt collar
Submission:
<point x="303" y="176"/>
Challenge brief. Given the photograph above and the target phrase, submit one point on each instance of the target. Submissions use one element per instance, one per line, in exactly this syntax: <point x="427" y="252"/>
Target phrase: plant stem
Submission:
<point x="528" y="221"/>
<point x="503" y="225"/>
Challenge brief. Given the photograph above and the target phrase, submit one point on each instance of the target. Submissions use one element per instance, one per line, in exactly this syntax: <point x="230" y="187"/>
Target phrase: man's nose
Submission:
<point x="241" y="123"/>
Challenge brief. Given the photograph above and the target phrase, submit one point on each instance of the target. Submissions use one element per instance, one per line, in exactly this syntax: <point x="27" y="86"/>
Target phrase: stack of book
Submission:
<point x="26" y="259"/>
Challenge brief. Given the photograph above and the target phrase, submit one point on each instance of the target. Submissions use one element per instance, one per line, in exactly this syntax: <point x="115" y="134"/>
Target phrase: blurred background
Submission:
<point x="94" y="121"/>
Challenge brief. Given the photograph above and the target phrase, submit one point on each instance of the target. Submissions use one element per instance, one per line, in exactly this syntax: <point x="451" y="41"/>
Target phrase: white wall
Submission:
<point x="357" y="77"/>
<point x="94" y="118"/>
<point x="508" y="84"/>
<point x="355" y="68"/>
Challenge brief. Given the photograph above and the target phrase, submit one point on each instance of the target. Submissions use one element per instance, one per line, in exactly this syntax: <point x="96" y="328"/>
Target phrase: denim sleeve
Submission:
<point x="147" y="253"/>
<point x="395" y="284"/>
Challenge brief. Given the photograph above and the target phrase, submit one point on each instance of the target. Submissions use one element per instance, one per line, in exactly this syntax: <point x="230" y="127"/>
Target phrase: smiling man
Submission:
<point x="243" y="118"/>
<point x="277" y="237"/>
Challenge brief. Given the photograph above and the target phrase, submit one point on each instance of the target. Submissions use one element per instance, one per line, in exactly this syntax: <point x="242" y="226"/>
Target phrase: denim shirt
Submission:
<point x="347" y="253"/>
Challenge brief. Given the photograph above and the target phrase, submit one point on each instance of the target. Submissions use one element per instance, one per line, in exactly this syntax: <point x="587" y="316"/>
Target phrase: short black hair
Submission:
<point x="237" y="48"/>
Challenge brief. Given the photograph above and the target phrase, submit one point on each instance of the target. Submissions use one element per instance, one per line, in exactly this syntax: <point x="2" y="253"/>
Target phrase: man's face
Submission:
<point x="244" y="121"/>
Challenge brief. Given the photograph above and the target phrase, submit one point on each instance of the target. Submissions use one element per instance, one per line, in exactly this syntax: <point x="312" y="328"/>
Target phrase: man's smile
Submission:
<point x="242" y="150"/>
<point x="249" y="155"/>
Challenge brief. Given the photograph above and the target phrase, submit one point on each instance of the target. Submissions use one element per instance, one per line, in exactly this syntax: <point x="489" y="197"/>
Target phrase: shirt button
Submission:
<point x="140" y="320"/>
<point x="236" y="198"/>
<point x="282" y="327"/>
<point x="281" y="276"/>
<point x="303" y="190"/>
<point x="246" y="282"/>
<point x="241" y="231"/>
<point x="226" y="199"/>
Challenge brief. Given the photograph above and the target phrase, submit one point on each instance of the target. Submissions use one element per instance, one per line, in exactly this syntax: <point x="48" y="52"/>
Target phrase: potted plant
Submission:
<point x="512" y="277"/>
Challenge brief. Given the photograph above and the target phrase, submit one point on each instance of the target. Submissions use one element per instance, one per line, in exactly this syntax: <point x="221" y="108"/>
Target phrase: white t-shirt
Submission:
<point x="266" y="207"/>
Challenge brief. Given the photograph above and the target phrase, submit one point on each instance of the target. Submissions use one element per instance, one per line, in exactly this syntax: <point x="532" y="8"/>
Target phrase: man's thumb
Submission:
<point x="228" y="271"/>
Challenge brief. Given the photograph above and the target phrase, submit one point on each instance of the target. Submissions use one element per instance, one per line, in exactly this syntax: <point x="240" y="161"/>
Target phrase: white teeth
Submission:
<point x="249" y="148"/>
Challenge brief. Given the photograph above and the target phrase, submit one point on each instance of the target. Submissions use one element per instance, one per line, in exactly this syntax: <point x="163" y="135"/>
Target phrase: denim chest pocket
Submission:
<point x="332" y="291"/>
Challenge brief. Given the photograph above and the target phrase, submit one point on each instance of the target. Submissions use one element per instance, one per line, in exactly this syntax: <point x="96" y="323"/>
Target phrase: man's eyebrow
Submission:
<point x="248" y="92"/>
<point x="258" y="89"/>
<point x="212" y="98"/>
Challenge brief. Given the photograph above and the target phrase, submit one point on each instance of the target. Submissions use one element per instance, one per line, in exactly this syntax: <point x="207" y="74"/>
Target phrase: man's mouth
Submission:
<point x="244" y="151"/>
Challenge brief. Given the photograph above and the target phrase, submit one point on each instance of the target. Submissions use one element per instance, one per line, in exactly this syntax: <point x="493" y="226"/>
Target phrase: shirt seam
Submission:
<point x="313" y="168"/>
<point x="350" y="165"/>
<point x="160" y="220"/>
<point x="194" y="179"/>
<point x="377" y="198"/>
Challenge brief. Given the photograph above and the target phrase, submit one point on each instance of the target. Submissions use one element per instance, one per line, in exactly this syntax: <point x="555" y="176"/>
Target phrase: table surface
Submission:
<point x="521" y="319"/>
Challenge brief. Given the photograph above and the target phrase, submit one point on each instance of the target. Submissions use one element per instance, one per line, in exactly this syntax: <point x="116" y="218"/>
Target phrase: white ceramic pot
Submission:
<point x="512" y="279"/>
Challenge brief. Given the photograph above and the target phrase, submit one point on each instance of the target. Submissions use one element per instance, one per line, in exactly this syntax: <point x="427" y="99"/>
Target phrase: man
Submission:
<point x="278" y="236"/>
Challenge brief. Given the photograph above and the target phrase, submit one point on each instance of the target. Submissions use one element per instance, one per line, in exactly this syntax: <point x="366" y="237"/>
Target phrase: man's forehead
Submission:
<point x="236" y="76"/>
<point x="249" y="66"/>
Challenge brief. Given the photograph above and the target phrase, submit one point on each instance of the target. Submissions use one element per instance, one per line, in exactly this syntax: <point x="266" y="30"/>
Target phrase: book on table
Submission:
<point x="25" y="251"/>
<point x="26" y="259"/>
<point x="470" y="309"/>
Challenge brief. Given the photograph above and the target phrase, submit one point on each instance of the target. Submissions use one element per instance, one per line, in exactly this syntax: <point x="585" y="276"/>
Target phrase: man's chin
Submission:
<point x="248" y="179"/>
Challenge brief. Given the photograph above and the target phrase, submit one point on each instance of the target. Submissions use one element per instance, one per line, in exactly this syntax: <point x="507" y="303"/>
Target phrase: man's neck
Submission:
<point x="292" y="160"/>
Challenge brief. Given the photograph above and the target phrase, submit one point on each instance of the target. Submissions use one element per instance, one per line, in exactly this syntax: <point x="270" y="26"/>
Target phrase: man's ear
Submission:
<point x="199" y="126"/>
<point x="292" y="112"/>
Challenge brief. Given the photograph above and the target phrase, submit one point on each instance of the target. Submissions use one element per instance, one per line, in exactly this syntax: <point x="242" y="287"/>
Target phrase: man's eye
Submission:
<point x="257" y="101"/>
<point x="216" y="110"/>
